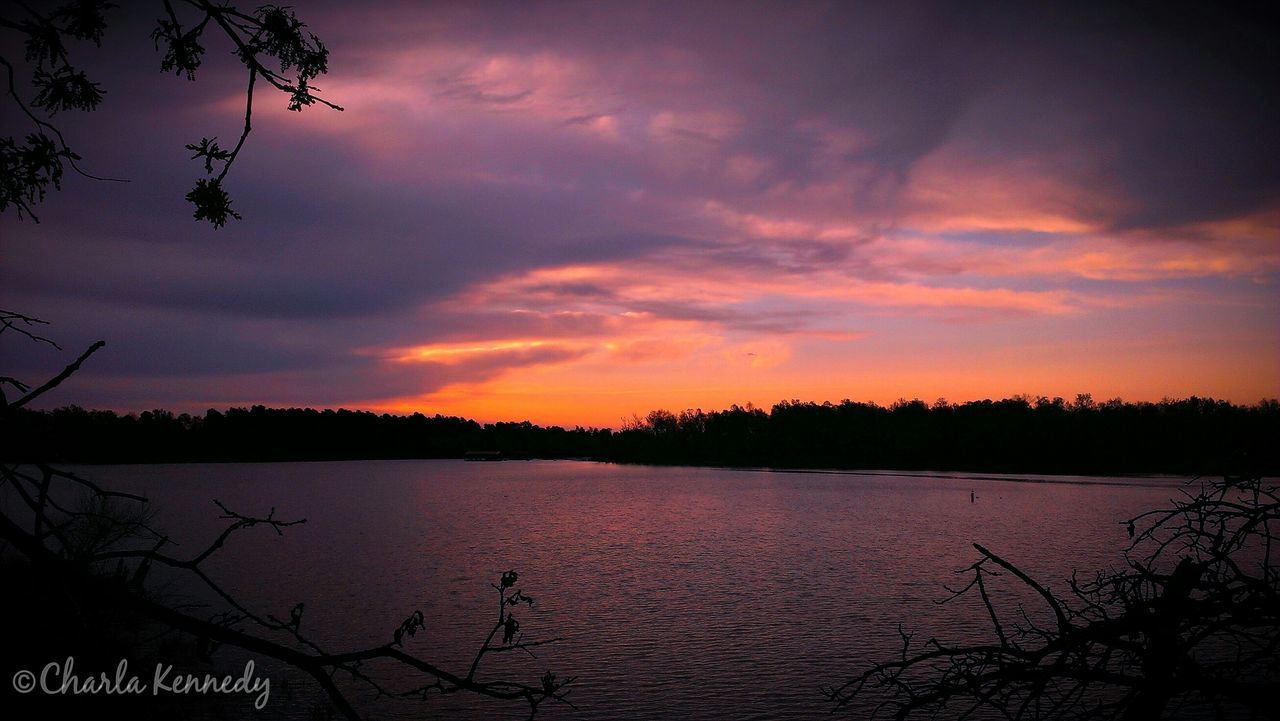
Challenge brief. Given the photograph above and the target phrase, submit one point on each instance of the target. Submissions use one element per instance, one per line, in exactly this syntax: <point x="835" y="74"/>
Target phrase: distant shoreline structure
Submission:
<point x="483" y="456"/>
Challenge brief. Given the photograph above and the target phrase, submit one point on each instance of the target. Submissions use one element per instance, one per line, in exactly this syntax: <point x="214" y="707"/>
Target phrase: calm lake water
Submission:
<point x="686" y="593"/>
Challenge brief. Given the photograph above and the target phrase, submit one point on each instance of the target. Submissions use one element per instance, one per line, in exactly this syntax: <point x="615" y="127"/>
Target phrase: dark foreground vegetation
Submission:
<point x="1188" y="627"/>
<point x="1193" y="435"/>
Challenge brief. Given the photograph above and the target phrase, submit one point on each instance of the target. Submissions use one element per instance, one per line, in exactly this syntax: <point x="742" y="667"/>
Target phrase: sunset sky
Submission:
<point x="575" y="212"/>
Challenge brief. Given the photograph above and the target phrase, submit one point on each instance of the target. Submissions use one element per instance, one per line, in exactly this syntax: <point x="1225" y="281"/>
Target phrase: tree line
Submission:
<point x="76" y="435"/>
<point x="1021" y="434"/>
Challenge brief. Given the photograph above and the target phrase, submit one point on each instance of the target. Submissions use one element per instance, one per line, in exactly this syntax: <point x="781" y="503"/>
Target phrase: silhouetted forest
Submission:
<point x="77" y="435"/>
<point x="1193" y="435"/>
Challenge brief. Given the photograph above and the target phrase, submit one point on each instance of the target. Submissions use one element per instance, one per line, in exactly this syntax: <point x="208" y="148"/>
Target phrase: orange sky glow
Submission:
<point x="586" y="215"/>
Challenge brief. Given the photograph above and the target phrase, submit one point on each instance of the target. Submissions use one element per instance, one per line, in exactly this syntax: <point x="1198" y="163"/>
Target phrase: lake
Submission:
<point x="691" y="593"/>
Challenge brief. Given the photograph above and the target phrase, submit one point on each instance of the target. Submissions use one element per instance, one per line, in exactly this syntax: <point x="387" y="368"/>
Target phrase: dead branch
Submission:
<point x="1192" y="619"/>
<point x="50" y="542"/>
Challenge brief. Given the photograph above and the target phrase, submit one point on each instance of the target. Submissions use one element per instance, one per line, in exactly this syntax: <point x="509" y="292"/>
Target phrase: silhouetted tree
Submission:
<point x="1192" y="621"/>
<point x="97" y="552"/>
<point x="270" y="42"/>
<point x="71" y="434"/>
<point x="1191" y="435"/>
<point x="100" y="553"/>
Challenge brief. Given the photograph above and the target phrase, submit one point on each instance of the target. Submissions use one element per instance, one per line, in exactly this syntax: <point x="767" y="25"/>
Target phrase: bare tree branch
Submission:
<point x="1193" y="619"/>
<point x="72" y="545"/>
<point x="55" y="381"/>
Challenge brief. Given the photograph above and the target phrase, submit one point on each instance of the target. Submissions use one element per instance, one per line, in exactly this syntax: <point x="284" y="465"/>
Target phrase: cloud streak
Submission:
<point x="772" y="200"/>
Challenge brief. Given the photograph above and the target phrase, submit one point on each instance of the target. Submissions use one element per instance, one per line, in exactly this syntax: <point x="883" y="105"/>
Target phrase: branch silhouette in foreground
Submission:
<point x="1192" y="620"/>
<point x="105" y="548"/>
<point x="270" y="43"/>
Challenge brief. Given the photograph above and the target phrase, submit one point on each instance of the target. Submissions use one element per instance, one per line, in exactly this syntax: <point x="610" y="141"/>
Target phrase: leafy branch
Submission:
<point x="270" y="43"/>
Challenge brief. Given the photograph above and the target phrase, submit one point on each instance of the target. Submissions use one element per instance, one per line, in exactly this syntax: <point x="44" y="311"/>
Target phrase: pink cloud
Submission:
<point x="955" y="188"/>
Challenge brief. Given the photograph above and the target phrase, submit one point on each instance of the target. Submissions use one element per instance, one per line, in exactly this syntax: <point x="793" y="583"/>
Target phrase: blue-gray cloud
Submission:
<point x="1170" y="109"/>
